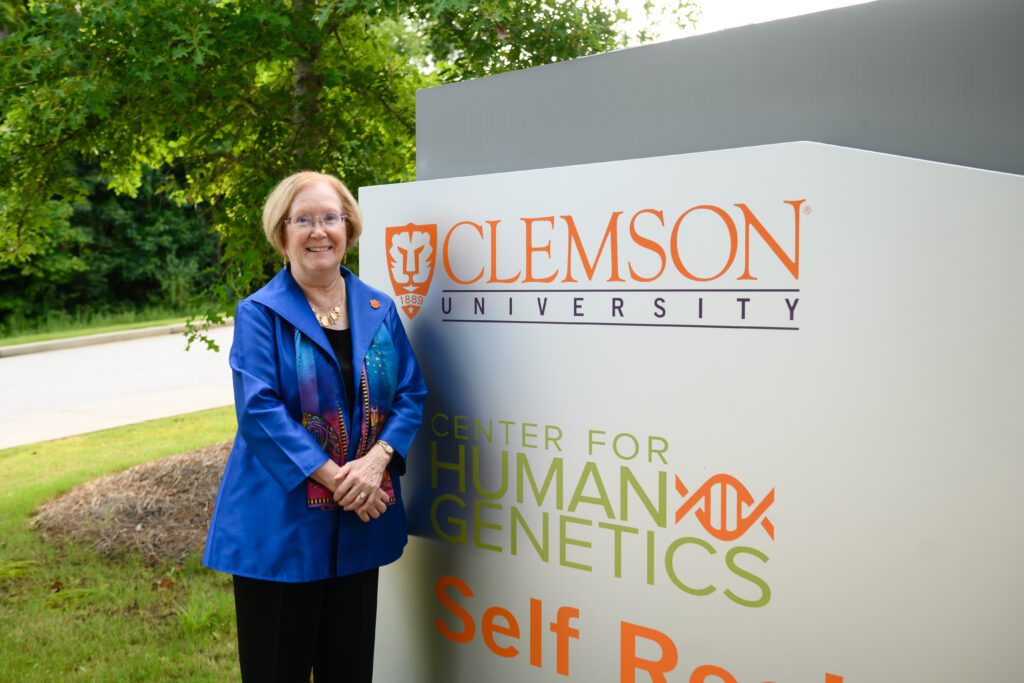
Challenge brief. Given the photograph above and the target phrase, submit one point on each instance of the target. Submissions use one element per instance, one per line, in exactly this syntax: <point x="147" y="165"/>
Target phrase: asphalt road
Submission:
<point x="61" y="393"/>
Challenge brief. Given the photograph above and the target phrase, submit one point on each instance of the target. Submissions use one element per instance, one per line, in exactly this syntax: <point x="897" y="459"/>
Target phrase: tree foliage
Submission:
<point x="112" y="253"/>
<point x="213" y="101"/>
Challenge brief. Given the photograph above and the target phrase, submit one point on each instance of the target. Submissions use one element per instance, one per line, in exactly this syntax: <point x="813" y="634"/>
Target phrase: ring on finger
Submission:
<point x="361" y="496"/>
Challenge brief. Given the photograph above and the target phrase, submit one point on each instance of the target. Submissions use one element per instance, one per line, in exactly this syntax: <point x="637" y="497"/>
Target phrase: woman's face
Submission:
<point x="318" y="248"/>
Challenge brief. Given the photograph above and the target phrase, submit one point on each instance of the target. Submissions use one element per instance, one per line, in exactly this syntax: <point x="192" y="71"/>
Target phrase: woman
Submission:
<point x="329" y="397"/>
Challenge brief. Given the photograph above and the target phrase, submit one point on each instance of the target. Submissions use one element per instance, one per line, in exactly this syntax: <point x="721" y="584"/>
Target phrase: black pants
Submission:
<point x="287" y="629"/>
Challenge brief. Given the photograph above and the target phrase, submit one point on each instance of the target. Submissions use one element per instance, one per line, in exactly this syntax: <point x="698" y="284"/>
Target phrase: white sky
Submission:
<point x="716" y="15"/>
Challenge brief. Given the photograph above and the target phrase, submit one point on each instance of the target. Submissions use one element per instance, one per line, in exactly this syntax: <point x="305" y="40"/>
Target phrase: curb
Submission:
<point x="94" y="339"/>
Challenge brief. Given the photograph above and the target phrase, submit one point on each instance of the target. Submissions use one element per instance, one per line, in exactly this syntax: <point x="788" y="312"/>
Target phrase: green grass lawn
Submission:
<point x="109" y="620"/>
<point x="61" y="326"/>
<point x="82" y="332"/>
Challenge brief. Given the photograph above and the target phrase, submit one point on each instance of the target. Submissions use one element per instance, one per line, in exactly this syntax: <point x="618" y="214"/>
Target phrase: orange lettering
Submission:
<point x="631" y="663"/>
<point x="494" y="256"/>
<point x="469" y="628"/>
<point x="610" y="236"/>
<point x="733" y="240"/>
<point x="701" y="673"/>
<point x="447" y="261"/>
<point x="563" y="632"/>
<point x="791" y="264"/>
<point x="536" y="644"/>
<point x="648" y="244"/>
<point x="510" y="628"/>
<point x="530" y="249"/>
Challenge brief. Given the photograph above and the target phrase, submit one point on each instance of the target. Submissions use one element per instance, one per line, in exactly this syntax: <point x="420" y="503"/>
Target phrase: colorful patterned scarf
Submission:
<point x="320" y="393"/>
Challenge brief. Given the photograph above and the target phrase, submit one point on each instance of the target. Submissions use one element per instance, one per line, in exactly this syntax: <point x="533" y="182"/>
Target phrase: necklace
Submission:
<point x="328" y="319"/>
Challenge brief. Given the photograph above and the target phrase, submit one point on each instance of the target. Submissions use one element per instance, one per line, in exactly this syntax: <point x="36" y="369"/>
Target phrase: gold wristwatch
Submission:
<point x="388" y="448"/>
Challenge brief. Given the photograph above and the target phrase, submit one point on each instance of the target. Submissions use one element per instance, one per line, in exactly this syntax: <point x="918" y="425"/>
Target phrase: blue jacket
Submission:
<point x="262" y="527"/>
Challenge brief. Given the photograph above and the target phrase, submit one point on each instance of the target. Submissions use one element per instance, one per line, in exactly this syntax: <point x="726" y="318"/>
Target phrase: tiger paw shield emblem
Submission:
<point x="411" y="250"/>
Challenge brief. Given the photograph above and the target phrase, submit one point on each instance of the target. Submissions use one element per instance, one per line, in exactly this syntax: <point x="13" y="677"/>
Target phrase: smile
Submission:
<point x="318" y="249"/>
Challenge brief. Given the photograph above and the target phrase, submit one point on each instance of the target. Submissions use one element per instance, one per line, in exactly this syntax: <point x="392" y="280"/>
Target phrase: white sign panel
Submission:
<point x="741" y="416"/>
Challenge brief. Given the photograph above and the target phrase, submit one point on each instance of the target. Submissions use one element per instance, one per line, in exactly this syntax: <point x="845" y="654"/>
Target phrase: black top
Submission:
<point x="341" y="342"/>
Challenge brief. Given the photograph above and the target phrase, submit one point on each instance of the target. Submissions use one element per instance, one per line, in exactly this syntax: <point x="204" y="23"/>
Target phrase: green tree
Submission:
<point x="116" y="253"/>
<point x="225" y="97"/>
<point x="12" y="14"/>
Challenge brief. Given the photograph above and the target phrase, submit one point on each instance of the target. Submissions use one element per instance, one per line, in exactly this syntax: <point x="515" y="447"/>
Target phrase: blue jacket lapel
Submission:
<point x="363" y="317"/>
<point x="283" y="296"/>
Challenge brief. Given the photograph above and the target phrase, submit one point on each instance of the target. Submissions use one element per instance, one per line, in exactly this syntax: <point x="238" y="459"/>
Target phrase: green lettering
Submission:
<point x="454" y="521"/>
<point x="590" y="471"/>
<point x="552" y="436"/>
<point x="650" y="558"/>
<point x="730" y="562"/>
<point x="542" y="546"/>
<point x="461" y="428"/>
<point x="480" y="524"/>
<point x="564" y="540"/>
<point x="626" y="481"/>
<point x="529" y="435"/>
<point x="479" y="430"/>
<point x="476" y="475"/>
<point x="437" y="464"/>
<point x="554" y="474"/>
<point x="618" y="530"/>
<point x="670" y="567"/>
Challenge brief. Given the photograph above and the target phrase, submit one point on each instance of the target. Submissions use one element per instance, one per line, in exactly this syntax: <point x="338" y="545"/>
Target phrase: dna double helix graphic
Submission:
<point x="725" y="508"/>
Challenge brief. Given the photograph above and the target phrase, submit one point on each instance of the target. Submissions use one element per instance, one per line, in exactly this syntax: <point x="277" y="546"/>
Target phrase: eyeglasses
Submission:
<point x="331" y="219"/>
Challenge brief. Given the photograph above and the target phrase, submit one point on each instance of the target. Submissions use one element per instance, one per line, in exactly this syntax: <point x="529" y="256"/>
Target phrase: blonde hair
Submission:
<point x="279" y="202"/>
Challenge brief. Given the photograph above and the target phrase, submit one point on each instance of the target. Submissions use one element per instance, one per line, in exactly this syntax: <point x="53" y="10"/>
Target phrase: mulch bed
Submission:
<point x="160" y="509"/>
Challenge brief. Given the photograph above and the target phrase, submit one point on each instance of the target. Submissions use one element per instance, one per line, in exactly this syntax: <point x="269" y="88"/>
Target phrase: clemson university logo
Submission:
<point x="411" y="249"/>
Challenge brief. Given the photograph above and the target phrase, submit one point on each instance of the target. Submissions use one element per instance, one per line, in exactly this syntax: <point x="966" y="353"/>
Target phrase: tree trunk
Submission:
<point x="307" y="85"/>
